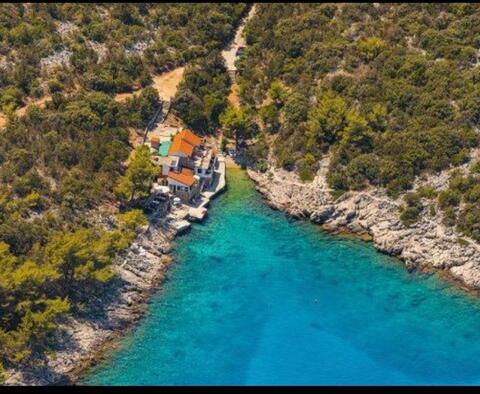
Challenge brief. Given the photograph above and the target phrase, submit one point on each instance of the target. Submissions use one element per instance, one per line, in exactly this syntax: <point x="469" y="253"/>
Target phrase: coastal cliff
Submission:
<point x="426" y="245"/>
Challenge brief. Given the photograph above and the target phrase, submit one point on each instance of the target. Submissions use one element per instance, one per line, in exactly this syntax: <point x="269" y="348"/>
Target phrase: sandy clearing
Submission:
<point x="3" y="121"/>
<point x="360" y="72"/>
<point x="122" y="97"/>
<point x="41" y="102"/>
<point x="167" y="83"/>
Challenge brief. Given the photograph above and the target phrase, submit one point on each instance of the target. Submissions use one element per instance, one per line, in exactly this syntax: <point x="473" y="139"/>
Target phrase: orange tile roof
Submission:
<point x="185" y="177"/>
<point x="180" y="145"/>
<point x="191" y="138"/>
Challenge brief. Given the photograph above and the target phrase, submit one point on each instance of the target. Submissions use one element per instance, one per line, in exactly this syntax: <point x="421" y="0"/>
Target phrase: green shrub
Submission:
<point x="473" y="195"/>
<point x="307" y="167"/>
<point x="469" y="221"/>
<point x="262" y="165"/>
<point x="475" y="167"/>
<point x="54" y="86"/>
<point x="409" y="216"/>
<point x="412" y="199"/>
<point x="449" y="198"/>
<point x="427" y="192"/>
<point x="410" y="213"/>
<point x="449" y="216"/>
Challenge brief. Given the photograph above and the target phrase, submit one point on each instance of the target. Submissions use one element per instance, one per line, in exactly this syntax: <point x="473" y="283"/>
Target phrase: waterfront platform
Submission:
<point x="181" y="226"/>
<point x="218" y="183"/>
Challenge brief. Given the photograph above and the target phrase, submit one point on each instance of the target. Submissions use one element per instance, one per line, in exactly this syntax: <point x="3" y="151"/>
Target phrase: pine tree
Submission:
<point x="138" y="178"/>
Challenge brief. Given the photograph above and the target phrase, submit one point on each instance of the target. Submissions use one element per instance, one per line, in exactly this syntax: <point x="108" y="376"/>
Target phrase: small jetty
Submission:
<point x="180" y="226"/>
<point x="179" y="216"/>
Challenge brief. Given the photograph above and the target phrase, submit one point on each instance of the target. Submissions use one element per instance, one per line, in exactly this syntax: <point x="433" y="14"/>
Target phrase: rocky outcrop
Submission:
<point x="57" y="59"/>
<point x="81" y="339"/>
<point x="428" y="244"/>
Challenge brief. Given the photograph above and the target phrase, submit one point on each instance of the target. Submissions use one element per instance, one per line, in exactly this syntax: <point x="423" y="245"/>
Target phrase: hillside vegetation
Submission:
<point x="391" y="91"/>
<point x="105" y="47"/>
<point x="61" y="164"/>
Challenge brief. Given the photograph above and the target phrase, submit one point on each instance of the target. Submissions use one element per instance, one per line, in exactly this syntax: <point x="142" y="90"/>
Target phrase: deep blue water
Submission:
<point x="257" y="299"/>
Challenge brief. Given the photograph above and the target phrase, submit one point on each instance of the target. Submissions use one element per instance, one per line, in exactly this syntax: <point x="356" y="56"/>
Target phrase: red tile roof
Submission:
<point x="191" y="138"/>
<point x="184" y="142"/>
<point x="185" y="176"/>
<point x="180" y="145"/>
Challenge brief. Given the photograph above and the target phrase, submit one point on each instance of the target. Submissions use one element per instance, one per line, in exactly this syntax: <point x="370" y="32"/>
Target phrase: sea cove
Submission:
<point x="255" y="298"/>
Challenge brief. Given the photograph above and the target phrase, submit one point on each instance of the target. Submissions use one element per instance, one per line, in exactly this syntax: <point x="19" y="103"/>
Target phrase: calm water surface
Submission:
<point x="257" y="299"/>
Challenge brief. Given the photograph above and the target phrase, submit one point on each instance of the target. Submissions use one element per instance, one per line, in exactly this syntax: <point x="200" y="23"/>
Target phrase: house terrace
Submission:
<point x="191" y="171"/>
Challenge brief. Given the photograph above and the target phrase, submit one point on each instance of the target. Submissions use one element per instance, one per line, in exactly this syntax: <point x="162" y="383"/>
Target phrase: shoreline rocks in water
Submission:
<point x="83" y="338"/>
<point x="427" y="245"/>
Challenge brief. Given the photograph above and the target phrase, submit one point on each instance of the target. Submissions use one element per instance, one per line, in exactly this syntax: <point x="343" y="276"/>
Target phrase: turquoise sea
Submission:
<point x="257" y="299"/>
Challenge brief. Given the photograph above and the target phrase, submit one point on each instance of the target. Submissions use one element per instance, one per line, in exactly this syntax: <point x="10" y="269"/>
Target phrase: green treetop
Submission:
<point x="237" y="123"/>
<point x="137" y="180"/>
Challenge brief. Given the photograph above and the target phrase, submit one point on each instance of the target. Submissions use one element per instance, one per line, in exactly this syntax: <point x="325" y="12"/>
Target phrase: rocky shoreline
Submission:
<point x="428" y="245"/>
<point x="83" y="339"/>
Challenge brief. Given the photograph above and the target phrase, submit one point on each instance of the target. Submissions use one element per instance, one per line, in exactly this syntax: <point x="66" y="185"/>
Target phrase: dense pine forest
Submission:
<point x="390" y="91"/>
<point x="61" y="162"/>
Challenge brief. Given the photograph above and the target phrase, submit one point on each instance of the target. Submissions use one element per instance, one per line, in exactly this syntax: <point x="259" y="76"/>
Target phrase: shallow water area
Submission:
<point x="257" y="299"/>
